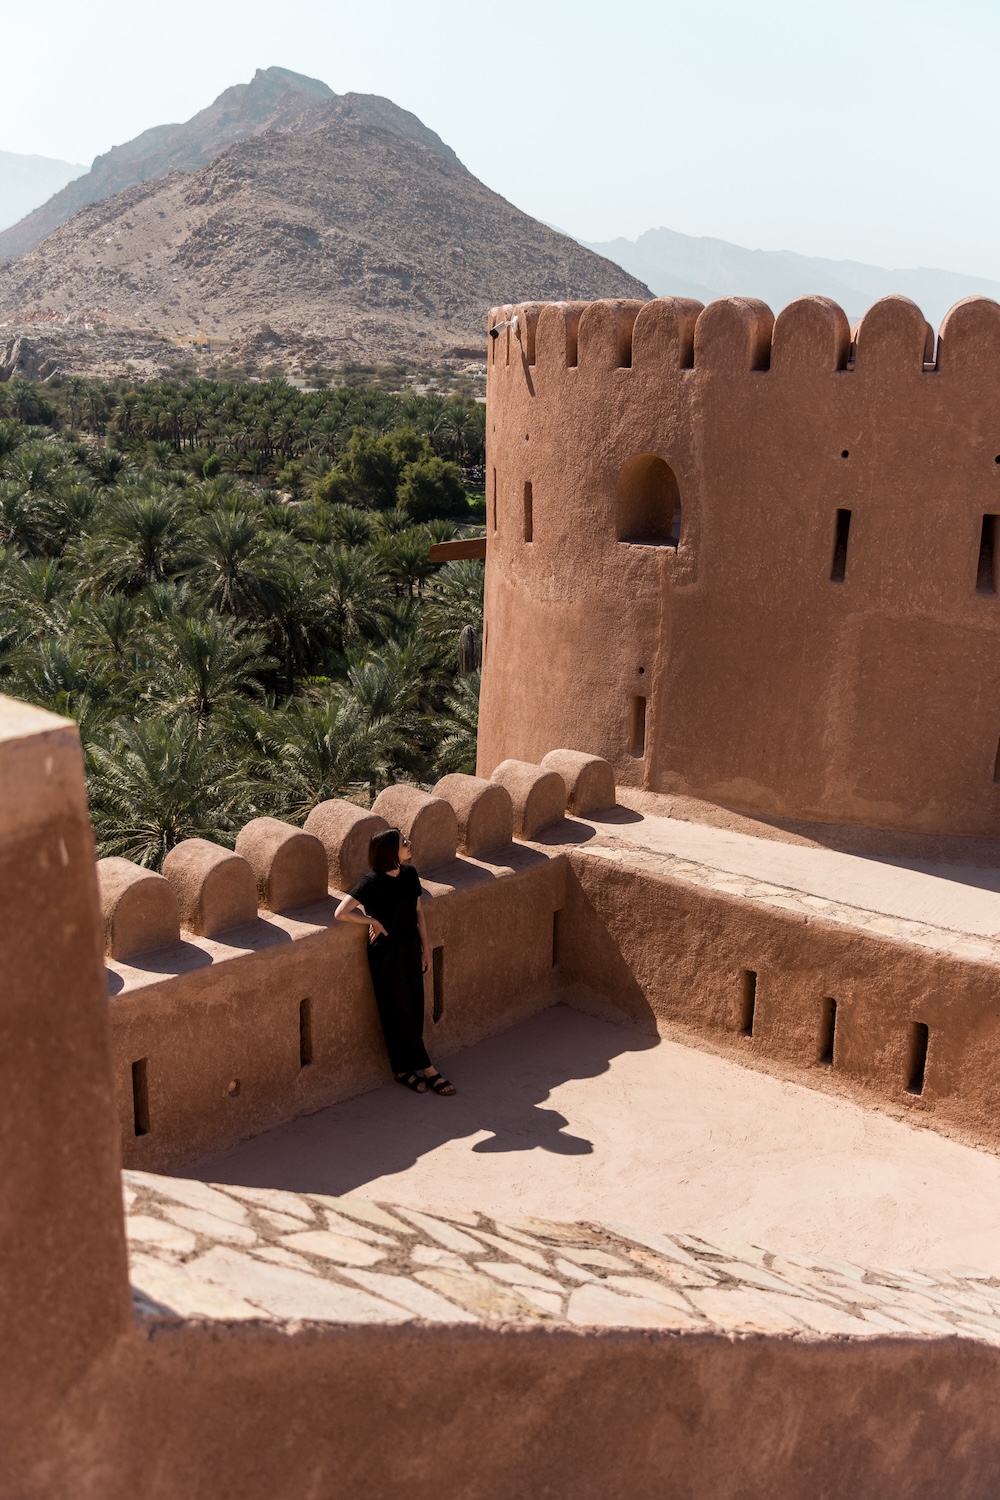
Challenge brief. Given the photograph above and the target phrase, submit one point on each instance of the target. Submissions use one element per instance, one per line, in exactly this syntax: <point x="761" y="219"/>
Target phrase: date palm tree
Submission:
<point x="140" y="542"/>
<point x="156" y="782"/>
<point x="226" y="653"/>
<point x="456" y="751"/>
<point x="210" y="661"/>
<point x="236" y="567"/>
<point x="404" y="559"/>
<point x="353" y="597"/>
<point x="331" y="747"/>
<point x="59" y="675"/>
<point x="22" y="525"/>
<point x="35" y="468"/>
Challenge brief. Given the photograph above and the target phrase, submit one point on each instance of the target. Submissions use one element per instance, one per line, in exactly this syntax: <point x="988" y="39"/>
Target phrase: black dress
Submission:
<point x="395" y="964"/>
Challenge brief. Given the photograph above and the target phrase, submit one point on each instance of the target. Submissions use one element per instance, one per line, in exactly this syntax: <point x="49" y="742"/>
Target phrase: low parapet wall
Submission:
<point x="529" y="1357"/>
<point x="895" y="1011"/>
<point x="221" y="1031"/>
<point x="217" y="1037"/>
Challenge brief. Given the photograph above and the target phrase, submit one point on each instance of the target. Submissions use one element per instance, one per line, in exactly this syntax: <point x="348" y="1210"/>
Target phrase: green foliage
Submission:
<point x="431" y="489"/>
<point x="229" y="588"/>
<point x="374" y="465"/>
<point x="331" y="488"/>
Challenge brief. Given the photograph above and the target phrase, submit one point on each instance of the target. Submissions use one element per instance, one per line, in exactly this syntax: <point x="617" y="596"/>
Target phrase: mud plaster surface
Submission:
<point x="568" y="1117"/>
<point x="950" y="907"/>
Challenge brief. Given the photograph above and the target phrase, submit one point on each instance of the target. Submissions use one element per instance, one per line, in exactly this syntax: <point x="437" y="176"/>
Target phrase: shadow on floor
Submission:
<point x="502" y="1084"/>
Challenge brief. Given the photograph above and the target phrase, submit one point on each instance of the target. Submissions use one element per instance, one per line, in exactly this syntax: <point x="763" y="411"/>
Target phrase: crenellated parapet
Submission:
<point x="237" y="1000"/>
<point x="750" y="559"/>
<point x="206" y="1344"/>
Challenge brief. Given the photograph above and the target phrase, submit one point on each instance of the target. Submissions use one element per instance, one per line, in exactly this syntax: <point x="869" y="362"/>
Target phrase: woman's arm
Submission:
<point x="351" y="910"/>
<point x="425" y="946"/>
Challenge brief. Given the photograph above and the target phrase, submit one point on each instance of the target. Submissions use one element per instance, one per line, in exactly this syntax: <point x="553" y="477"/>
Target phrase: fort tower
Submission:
<point x="751" y="560"/>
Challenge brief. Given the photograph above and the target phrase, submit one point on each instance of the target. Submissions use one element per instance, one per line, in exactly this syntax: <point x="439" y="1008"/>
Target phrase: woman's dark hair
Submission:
<point x="383" y="851"/>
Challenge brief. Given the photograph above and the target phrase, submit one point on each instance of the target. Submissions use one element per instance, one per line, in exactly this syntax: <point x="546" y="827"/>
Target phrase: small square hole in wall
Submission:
<point x="917" y="1062"/>
<point x="305" y="1034"/>
<point x="748" y="998"/>
<point x="140" y="1096"/>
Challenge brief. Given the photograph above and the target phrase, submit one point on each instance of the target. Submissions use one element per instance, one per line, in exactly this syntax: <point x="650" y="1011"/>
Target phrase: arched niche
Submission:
<point x="648" y="503"/>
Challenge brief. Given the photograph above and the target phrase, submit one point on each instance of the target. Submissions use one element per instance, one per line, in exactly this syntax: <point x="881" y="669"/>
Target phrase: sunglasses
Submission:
<point x="404" y="841"/>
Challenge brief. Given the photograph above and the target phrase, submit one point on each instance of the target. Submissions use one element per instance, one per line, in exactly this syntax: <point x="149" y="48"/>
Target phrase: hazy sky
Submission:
<point x="865" y="129"/>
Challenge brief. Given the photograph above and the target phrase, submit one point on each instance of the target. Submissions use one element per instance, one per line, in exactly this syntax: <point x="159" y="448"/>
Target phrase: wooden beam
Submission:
<point x="469" y="546"/>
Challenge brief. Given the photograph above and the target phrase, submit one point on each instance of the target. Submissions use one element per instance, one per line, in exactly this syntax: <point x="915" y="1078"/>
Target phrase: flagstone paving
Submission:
<point x="208" y="1251"/>
<point x="576" y="1119"/>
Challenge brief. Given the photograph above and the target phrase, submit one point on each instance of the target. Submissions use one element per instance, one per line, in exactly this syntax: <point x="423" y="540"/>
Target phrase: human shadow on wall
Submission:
<point x="503" y="1083"/>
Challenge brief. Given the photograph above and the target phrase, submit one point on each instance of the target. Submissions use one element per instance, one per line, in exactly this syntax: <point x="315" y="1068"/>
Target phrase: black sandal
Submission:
<point x="412" y="1081"/>
<point x="440" y="1084"/>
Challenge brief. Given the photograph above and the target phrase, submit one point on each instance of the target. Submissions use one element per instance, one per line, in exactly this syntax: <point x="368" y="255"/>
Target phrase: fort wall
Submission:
<point x="219" y="1034"/>
<point x="206" y="1392"/>
<point x="217" y="1038"/>
<point x="64" y="1300"/>
<point x="607" y="1414"/>
<point x="898" y="1021"/>
<point x="748" y="559"/>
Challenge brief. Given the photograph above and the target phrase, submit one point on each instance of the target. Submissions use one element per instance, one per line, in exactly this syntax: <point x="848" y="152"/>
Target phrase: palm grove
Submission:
<point x="228" y="586"/>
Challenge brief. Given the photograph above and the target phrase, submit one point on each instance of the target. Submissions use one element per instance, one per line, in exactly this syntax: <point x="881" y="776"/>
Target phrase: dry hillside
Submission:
<point x="343" y="239"/>
<point x="273" y="99"/>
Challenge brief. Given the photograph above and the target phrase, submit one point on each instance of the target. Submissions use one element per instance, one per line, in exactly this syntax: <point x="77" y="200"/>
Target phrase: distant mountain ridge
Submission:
<point x="684" y="265"/>
<point x="274" y="99"/>
<point x="346" y="231"/>
<point x="27" y="181"/>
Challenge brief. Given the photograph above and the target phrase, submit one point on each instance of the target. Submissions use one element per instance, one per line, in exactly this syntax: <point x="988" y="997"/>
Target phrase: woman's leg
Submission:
<point x="414" y="985"/>
<point x="402" y="1021"/>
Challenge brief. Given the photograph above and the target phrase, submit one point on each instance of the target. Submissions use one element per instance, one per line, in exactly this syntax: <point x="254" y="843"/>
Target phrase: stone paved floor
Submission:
<point x="567" y="1117"/>
<point x="236" y="1253"/>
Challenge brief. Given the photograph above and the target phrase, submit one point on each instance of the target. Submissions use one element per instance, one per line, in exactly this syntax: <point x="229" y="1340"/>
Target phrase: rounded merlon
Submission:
<point x="428" y="822"/>
<point x="345" y="831"/>
<point x="589" y="780"/>
<point x="216" y="889"/>
<point x="138" y="907"/>
<point x="484" y="811"/>
<point x="289" y="865"/>
<point x="538" y="796"/>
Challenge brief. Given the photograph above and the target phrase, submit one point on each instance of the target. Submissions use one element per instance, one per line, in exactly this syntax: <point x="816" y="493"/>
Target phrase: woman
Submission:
<point x="387" y="902"/>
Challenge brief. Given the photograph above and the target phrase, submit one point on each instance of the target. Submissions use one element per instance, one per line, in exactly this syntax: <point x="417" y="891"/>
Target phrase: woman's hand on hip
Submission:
<point x="375" y="930"/>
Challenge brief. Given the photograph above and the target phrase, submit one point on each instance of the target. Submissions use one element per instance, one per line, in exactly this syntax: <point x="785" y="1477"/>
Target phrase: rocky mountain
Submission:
<point x="682" y="265"/>
<point x="275" y="97"/>
<point x="340" y="234"/>
<point x="26" y="181"/>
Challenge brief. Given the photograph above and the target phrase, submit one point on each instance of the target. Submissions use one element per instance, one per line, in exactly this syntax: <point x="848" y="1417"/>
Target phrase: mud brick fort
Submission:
<point x="737" y="807"/>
